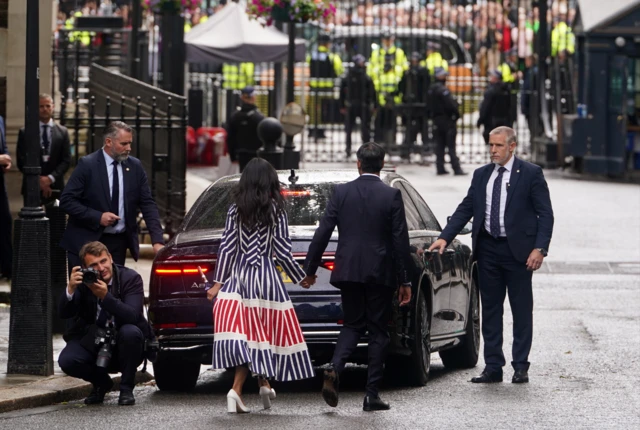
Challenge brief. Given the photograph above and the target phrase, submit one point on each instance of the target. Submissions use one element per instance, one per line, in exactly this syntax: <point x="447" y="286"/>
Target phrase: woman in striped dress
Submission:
<point x="255" y="327"/>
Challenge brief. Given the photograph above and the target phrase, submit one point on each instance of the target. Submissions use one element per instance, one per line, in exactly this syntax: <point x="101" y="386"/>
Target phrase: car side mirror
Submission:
<point x="467" y="228"/>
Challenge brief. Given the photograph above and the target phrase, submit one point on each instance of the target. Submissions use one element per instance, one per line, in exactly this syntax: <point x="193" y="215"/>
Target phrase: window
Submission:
<point x="430" y="221"/>
<point x="414" y="221"/>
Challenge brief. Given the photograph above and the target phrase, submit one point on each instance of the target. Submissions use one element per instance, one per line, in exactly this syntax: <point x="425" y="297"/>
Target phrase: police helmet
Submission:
<point x="359" y="59"/>
<point x="496" y="73"/>
<point x="440" y="72"/>
<point x="324" y="38"/>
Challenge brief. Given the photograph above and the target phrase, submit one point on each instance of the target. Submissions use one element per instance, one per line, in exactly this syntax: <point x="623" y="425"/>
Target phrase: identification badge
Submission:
<point x="45" y="158"/>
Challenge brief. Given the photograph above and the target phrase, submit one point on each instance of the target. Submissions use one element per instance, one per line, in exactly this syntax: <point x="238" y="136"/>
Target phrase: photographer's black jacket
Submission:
<point x="126" y="309"/>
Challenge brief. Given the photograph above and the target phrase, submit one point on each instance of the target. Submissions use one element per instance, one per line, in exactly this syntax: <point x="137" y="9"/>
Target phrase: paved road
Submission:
<point x="585" y="369"/>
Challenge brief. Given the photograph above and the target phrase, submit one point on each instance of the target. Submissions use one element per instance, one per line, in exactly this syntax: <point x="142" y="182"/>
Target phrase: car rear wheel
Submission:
<point x="420" y="361"/>
<point x="175" y="373"/>
<point x="465" y="354"/>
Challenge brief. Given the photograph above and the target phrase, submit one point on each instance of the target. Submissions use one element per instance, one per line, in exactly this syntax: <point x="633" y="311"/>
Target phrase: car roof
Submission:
<point x="346" y="30"/>
<point x="317" y="176"/>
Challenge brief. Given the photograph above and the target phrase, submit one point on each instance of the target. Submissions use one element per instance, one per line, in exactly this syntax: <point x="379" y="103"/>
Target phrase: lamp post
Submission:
<point x="134" y="71"/>
<point x="30" y="345"/>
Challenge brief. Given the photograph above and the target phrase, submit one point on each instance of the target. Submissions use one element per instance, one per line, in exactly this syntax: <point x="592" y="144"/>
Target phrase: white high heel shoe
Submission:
<point x="234" y="403"/>
<point x="267" y="394"/>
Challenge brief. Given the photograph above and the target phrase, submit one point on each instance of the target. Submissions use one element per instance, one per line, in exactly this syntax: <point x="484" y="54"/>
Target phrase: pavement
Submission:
<point x="595" y="241"/>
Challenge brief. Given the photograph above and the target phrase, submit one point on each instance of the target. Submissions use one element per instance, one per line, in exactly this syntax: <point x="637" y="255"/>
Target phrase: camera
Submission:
<point x="106" y="340"/>
<point x="90" y="276"/>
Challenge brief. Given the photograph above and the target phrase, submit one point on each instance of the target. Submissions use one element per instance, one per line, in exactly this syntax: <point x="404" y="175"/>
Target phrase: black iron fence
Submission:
<point x="159" y="120"/>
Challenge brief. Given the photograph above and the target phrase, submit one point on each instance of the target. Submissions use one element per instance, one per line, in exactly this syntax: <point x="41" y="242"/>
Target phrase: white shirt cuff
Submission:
<point x="53" y="179"/>
<point x="69" y="296"/>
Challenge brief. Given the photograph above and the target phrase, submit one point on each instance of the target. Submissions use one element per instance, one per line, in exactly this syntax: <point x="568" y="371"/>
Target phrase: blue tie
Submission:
<point x="115" y="190"/>
<point x="494" y="222"/>
<point x="45" y="138"/>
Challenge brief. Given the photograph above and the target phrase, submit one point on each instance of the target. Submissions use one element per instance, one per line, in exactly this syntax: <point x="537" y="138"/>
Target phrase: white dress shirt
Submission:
<point x="370" y="174"/>
<point x="503" y="195"/>
<point x="120" y="226"/>
<point x="49" y="125"/>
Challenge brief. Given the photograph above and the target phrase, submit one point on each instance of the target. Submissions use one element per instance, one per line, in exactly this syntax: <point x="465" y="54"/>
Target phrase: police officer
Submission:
<point x="434" y="58"/>
<point x="324" y="67"/>
<point x="562" y="37"/>
<point x="357" y="100"/>
<point x="242" y="129"/>
<point x="414" y="86"/>
<point x="443" y="109"/>
<point x="386" y="84"/>
<point x="495" y="110"/>
<point x="387" y="52"/>
<point x="509" y="70"/>
<point x="235" y="77"/>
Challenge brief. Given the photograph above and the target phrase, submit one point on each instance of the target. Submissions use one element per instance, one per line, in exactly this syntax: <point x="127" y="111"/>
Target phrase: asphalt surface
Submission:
<point x="585" y="370"/>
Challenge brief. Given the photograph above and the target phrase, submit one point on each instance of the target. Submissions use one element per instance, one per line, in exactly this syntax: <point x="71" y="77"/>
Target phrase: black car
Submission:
<point x="443" y="315"/>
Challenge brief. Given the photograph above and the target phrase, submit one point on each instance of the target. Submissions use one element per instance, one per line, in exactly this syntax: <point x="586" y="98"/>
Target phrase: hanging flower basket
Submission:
<point x="290" y="10"/>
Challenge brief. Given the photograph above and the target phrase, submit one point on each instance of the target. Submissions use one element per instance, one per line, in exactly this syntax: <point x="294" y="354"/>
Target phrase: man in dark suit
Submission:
<point x="6" y="251"/>
<point x="114" y="300"/>
<point x="55" y="152"/>
<point x="513" y="221"/>
<point x="103" y="196"/>
<point x="371" y="262"/>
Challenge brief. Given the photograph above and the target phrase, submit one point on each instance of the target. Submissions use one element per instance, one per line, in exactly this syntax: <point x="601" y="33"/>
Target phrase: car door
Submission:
<point x="451" y="318"/>
<point x="435" y="265"/>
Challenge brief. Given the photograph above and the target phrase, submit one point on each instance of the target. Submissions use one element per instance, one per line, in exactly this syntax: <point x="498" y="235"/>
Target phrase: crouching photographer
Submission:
<point x="108" y="331"/>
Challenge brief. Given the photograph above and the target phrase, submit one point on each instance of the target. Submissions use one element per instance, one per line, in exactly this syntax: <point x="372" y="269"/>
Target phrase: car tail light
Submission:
<point x="295" y="193"/>
<point x="174" y="269"/>
<point x="174" y="278"/>
<point x="328" y="265"/>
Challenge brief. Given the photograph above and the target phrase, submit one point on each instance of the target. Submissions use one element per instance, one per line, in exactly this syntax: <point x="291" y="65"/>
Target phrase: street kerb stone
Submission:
<point x="55" y="389"/>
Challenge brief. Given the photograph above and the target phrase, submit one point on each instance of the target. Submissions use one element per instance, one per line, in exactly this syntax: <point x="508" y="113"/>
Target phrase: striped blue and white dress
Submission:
<point x="254" y="320"/>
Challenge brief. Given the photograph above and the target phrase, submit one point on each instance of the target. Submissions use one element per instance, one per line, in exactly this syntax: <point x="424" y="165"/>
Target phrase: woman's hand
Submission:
<point x="213" y="291"/>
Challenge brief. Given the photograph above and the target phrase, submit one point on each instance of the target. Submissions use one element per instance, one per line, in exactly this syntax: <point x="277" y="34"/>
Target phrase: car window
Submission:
<point x="414" y="221"/>
<point x="429" y="219"/>
<point x="305" y="205"/>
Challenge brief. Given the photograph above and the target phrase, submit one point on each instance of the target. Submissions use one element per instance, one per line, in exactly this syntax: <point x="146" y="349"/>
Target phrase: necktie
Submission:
<point x="45" y="138"/>
<point x="115" y="190"/>
<point x="494" y="222"/>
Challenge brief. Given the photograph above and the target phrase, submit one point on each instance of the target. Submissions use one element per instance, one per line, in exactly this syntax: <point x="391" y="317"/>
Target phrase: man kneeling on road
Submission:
<point x="108" y="330"/>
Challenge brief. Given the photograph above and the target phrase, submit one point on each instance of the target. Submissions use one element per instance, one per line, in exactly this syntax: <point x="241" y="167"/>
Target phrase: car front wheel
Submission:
<point x="175" y="373"/>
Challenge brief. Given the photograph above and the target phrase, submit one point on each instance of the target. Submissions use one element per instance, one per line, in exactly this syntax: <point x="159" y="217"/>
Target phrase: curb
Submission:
<point x="48" y="391"/>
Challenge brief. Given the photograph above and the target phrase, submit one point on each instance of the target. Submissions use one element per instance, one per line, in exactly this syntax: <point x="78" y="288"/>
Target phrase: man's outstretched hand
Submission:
<point x="439" y="245"/>
<point x="404" y="295"/>
<point x="308" y="281"/>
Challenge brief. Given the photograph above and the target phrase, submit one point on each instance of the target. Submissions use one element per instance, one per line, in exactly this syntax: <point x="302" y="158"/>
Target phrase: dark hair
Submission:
<point x="111" y="132"/>
<point x="371" y="157"/>
<point x="256" y="194"/>
<point x="92" y="248"/>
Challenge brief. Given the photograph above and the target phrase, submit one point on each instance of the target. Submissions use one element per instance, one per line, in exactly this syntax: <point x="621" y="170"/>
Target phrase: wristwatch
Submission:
<point x="542" y="251"/>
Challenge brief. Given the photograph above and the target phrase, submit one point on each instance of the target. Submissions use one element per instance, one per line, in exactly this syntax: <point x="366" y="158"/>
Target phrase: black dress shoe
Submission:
<point x="520" y="377"/>
<point x="444" y="172"/>
<point x="97" y="394"/>
<point x="460" y="173"/>
<point x="126" y="398"/>
<point x="374" y="404"/>
<point x="330" y="388"/>
<point x="487" y="377"/>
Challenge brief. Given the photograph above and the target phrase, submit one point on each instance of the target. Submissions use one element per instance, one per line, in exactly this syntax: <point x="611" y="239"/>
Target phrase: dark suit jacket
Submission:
<point x="59" y="156"/>
<point x="83" y="307"/>
<point x="86" y="197"/>
<point x="3" y="139"/>
<point x="528" y="215"/>
<point x="373" y="245"/>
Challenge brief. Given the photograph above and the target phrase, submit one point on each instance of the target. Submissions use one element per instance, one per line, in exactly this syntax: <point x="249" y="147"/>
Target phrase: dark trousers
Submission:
<point x="414" y="125"/>
<point x="117" y="245"/>
<point x="365" y="307"/>
<point x="79" y="362"/>
<point x="353" y="112"/>
<point x="445" y="135"/>
<point x="498" y="273"/>
<point x="385" y="127"/>
<point x="6" y="250"/>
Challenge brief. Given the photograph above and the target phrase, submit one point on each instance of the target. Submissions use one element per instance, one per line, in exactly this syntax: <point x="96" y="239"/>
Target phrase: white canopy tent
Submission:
<point x="231" y="36"/>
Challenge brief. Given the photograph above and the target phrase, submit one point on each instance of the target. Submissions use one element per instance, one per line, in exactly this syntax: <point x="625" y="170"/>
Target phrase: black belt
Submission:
<point x="485" y="233"/>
